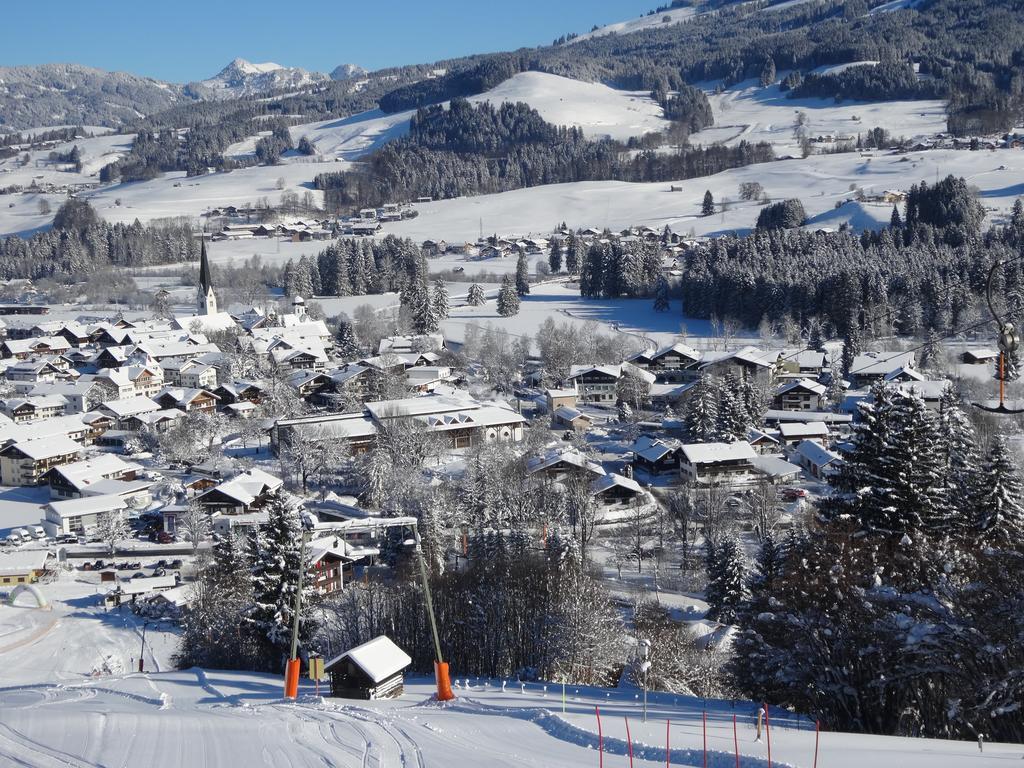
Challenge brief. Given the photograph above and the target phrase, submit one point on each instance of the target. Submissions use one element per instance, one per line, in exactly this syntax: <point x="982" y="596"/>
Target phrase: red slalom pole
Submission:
<point x="768" y="734"/>
<point x="705" y="720"/>
<point x="817" y="734"/>
<point x="735" y="741"/>
<point x="600" y="739"/>
<point x="668" y="744"/>
<point x="629" y="743"/>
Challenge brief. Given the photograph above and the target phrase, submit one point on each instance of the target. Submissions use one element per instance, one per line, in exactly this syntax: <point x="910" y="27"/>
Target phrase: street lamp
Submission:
<point x="645" y="667"/>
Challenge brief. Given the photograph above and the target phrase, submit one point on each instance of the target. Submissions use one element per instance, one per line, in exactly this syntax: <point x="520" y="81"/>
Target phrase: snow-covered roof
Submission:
<point x="602" y="484"/>
<point x="80" y="474"/>
<point x="803" y="429"/>
<point x="774" y="466"/>
<point x="712" y="453"/>
<point x="87" y="505"/>
<point x="816" y="454"/>
<point x="144" y="584"/>
<point x="41" y="448"/>
<point x="219" y="321"/>
<point x="23" y="561"/>
<point x="379" y="658"/>
<point x="881" y="363"/>
<point x="555" y="394"/>
<point x="247" y="486"/>
<point x="564" y="455"/>
<point x="929" y="390"/>
<point x="811" y="386"/>
<point x="567" y="413"/>
<point x="129" y="406"/>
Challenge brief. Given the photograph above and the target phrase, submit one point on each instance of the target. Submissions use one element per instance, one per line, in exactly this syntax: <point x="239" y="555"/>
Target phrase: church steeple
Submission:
<point x="207" y="301"/>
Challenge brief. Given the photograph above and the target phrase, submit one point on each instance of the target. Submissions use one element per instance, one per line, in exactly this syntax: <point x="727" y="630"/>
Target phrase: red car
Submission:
<point x="164" y="537"/>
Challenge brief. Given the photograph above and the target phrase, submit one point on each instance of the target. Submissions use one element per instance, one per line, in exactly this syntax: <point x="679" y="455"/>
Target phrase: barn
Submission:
<point x="372" y="670"/>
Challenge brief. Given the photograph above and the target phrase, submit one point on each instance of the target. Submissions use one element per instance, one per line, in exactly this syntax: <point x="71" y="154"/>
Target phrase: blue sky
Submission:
<point x="182" y="40"/>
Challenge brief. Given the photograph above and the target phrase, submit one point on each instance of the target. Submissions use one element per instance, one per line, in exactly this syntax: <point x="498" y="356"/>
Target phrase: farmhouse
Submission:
<point x="816" y="459"/>
<point x="792" y="433"/>
<point x="571" y="418"/>
<point x="70" y="481"/>
<point x="656" y="456"/>
<point x="23" y="567"/>
<point x="79" y="515"/>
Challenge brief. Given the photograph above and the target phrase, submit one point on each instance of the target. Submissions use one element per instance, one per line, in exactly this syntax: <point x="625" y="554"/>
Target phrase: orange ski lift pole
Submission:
<point x="444" y="685"/>
<point x="1008" y="343"/>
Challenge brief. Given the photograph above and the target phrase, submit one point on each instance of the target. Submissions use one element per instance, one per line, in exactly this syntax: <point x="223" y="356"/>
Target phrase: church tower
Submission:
<point x="207" y="301"/>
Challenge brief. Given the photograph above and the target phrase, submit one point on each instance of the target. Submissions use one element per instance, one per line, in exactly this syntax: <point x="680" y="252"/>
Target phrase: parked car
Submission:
<point x="22" y="533"/>
<point x="86" y="566"/>
<point x="66" y="538"/>
<point x="159" y="571"/>
<point x="37" y="531"/>
<point x="13" y="539"/>
<point x="164" y="537"/>
<point x="176" y="564"/>
<point x="138" y="575"/>
<point x="99" y="565"/>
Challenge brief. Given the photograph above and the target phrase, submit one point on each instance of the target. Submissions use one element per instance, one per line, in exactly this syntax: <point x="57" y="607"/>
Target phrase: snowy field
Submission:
<point x="599" y="110"/>
<point x="819" y="181"/>
<point x="69" y="696"/>
<point x="748" y="112"/>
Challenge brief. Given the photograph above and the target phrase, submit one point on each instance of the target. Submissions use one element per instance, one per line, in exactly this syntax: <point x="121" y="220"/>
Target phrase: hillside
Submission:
<point x="72" y="94"/>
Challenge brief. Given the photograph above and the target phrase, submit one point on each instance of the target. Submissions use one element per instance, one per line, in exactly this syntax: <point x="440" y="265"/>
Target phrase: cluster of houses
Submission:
<point x="803" y="434"/>
<point x="505" y="246"/>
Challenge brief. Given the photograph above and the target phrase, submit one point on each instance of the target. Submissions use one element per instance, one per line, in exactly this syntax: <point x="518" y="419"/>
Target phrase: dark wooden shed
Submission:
<point x="373" y="670"/>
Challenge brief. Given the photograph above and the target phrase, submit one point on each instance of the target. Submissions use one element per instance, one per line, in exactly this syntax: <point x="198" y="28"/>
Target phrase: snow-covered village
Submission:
<point x="650" y="395"/>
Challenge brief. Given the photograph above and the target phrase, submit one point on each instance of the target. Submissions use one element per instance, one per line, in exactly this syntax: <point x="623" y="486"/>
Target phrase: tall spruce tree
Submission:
<point x="1000" y="504"/>
<point x="508" y="299"/>
<point x="476" y="297"/>
<point x="661" y="303"/>
<point x="345" y="343"/>
<point x="701" y="414"/>
<point x="440" y="300"/>
<point x="275" y="581"/>
<point x="707" y="207"/>
<point x="522" y="275"/>
<point x="726" y="576"/>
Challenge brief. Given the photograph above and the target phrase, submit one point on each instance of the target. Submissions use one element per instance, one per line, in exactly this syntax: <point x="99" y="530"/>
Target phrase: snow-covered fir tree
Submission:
<point x="345" y="343"/>
<point x="555" y="257"/>
<point x="522" y="274"/>
<point x="700" y="416"/>
<point x="726" y="576"/>
<point x="733" y="417"/>
<point x="476" y="297"/>
<point x="508" y="299"/>
<point x="661" y="302"/>
<point x="275" y="579"/>
<point x="440" y="300"/>
<point x="999" y="502"/>
<point x="961" y="455"/>
<point x="893" y="481"/>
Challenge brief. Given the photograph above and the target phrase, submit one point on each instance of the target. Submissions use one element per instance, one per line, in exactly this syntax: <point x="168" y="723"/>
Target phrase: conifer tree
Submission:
<point x="707" y="208"/>
<point x="555" y="258"/>
<point x="701" y="414"/>
<point x="661" y="303"/>
<point x="733" y="419"/>
<point x="896" y="221"/>
<point x="275" y="580"/>
<point x="1000" y="504"/>
<point x="345" y="343"/>
<point x="476" y="297"/>
<point x="522" y="275"/>
<point x="508" y="299"/>
<point x="961" y="455"/>
<point x="726" y="589"/>
<point x="440" y="300"/>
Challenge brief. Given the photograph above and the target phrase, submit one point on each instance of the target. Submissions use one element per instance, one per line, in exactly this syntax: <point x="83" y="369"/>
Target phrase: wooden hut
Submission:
<point x="373" y="670"/>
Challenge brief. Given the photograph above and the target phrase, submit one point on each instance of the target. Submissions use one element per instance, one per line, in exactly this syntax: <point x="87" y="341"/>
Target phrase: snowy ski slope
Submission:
<point x="69" y="697"/>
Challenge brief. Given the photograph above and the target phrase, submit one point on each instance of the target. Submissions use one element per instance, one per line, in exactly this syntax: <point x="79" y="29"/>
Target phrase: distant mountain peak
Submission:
<point x="347" y="72"/>
<point x="244" y="78"/>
